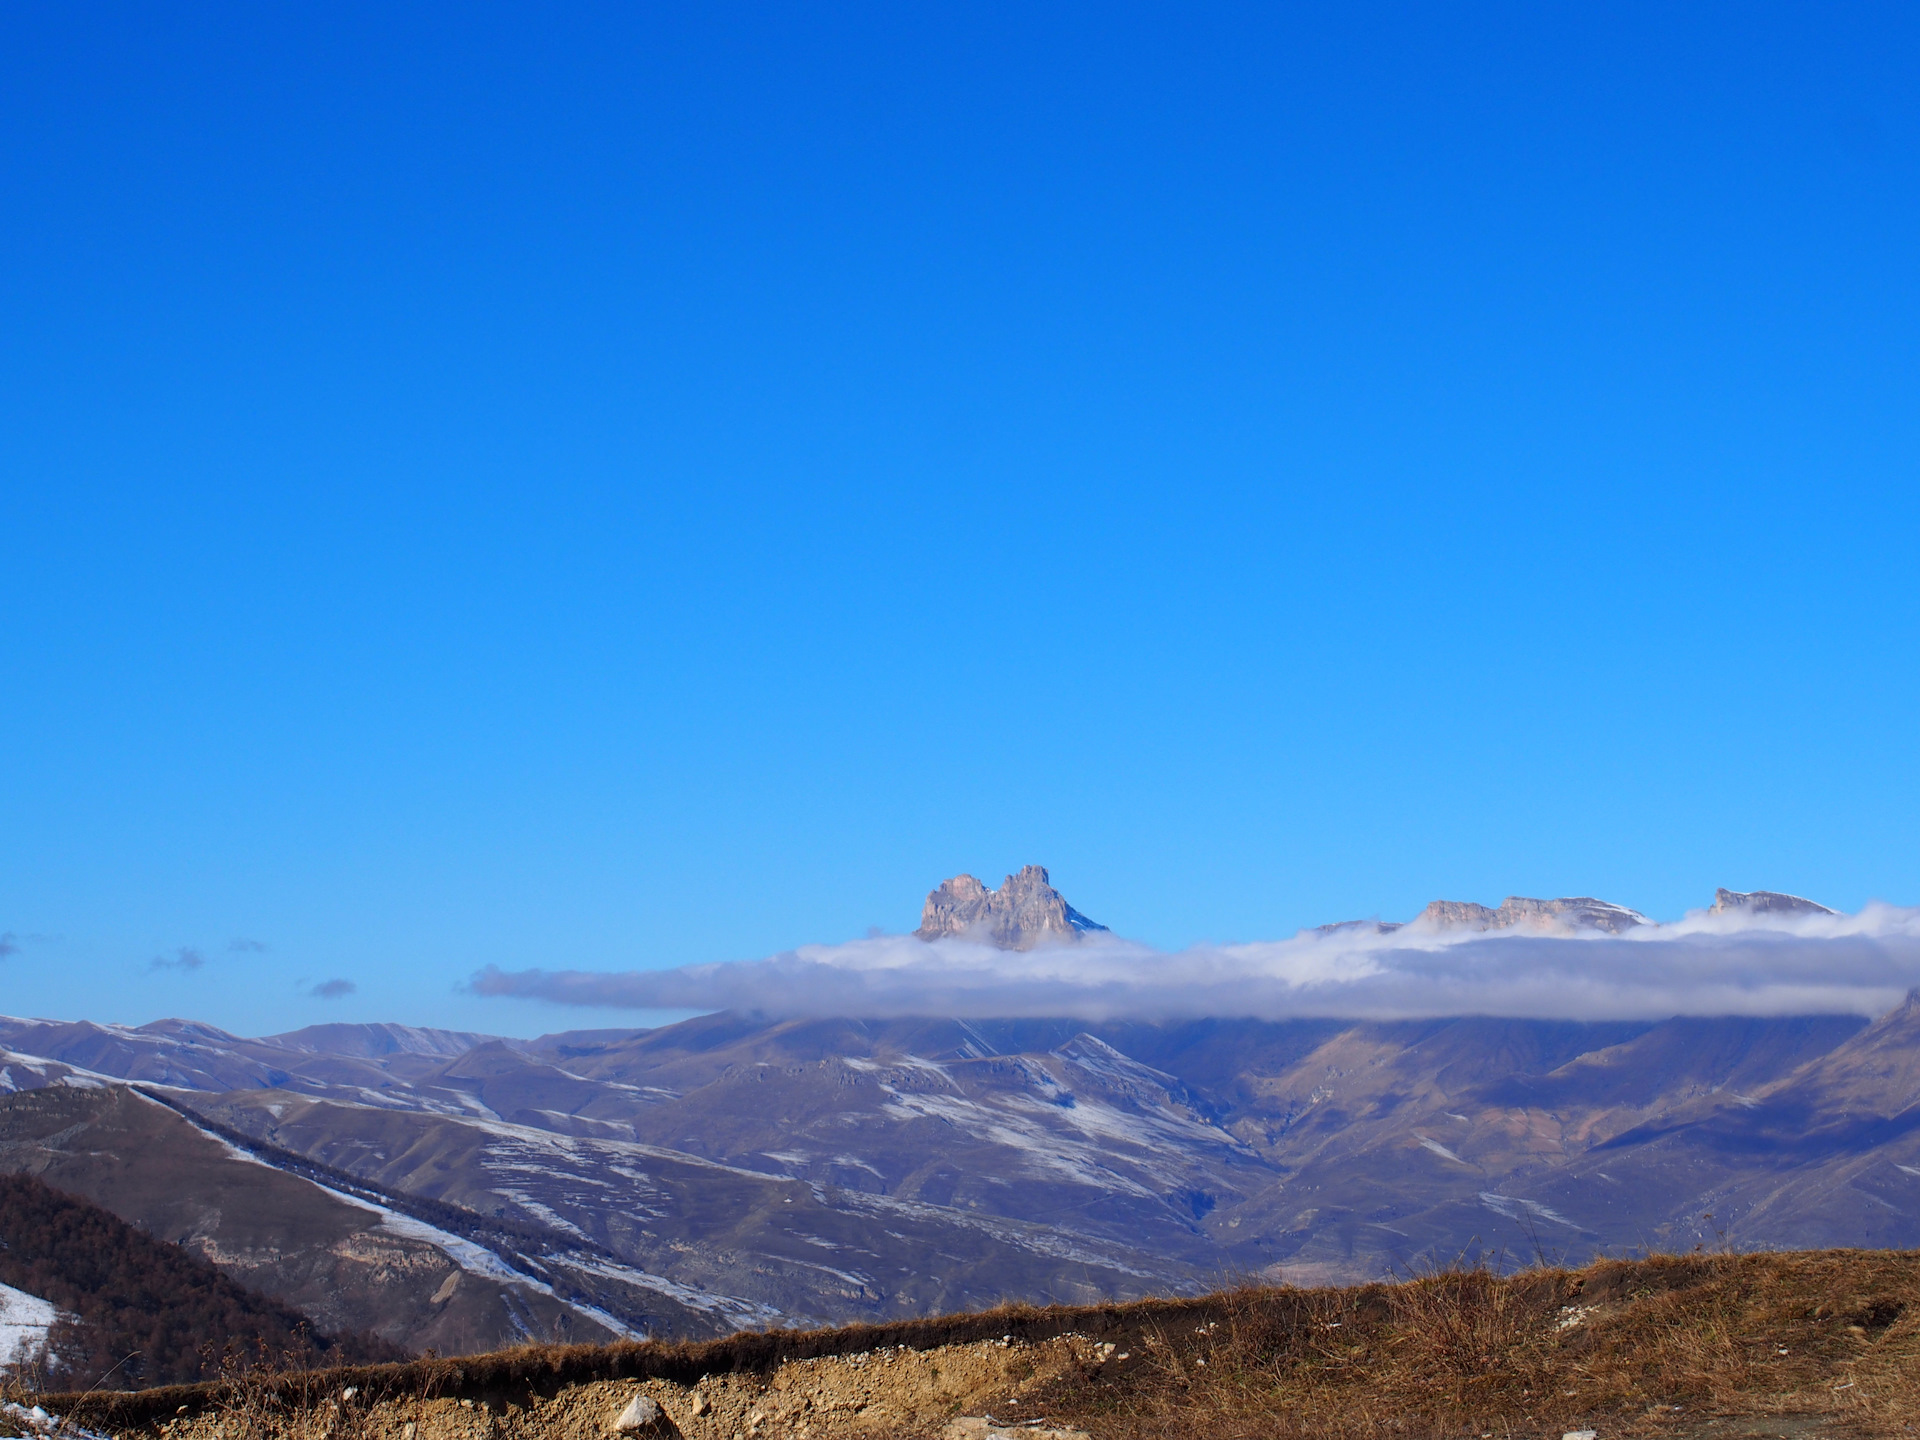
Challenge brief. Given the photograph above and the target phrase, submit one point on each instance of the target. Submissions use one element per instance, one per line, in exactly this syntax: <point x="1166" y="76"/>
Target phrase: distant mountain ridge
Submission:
<point x="374" y="1041"/>
<point x="809" y="1170"/>
<point x="1763" y="902"/>
<point x="1026" y="911"/>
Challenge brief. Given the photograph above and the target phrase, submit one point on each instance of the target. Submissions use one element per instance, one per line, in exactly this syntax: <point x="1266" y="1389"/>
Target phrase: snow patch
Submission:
<point x="38" y="1422"/>
<point x="24" y="1322"/>
<point x="1512" y="1207"/>
<point x="1437" y="1148"/>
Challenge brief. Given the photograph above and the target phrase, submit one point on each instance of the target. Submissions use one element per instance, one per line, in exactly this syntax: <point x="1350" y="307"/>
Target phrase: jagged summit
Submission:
<point x="1579" y="912"/>
<point x="1024" y="912"/>
<point x="1763" y="902"/>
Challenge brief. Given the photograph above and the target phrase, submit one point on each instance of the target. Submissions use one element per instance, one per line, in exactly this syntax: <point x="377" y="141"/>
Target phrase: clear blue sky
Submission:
<point x="617" y="486"/>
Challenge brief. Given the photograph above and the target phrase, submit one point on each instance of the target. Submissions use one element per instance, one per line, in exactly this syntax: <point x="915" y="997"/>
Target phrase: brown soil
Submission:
<point x="867" y="1396"/>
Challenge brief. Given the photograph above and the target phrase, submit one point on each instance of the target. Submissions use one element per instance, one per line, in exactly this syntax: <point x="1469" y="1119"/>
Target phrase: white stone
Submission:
<point x="640" y="1414"/>
<point x="980" y="1427"/>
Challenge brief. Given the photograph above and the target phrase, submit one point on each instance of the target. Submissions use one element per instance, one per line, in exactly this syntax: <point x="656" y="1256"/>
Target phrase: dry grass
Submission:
<point x="1650" y="1347"/>
<point x="1654" y="1347"/>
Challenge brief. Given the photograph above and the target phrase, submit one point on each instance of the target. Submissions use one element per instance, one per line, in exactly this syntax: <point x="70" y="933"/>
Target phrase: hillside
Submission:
<point x="1697" y="1346"/>
<point x="733" y="1171"/>
<point x="133" y="1310"/>
<point x="348" y="1257"/>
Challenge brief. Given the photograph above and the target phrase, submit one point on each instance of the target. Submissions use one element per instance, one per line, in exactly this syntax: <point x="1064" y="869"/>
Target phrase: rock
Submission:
<point x="640" y="1414"/>
<point x="1024" y="912"/>
<point x="1763" y="902"/>
<point x="1377" y="927"/>
<point x="1572" y="912"/>
<point x="1580" y="1435"/>
<point x="982" y="1427"/>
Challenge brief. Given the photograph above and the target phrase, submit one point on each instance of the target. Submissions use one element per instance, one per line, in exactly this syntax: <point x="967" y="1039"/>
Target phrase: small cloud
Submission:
<point x="9" y="945"/>
<point x="332" y="989"/>
<point x="185" y="958"/>
<point x="244" y="946"/>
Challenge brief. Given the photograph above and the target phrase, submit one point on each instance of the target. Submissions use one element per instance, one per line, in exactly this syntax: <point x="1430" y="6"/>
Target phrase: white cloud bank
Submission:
<point x="1705" y="964"/>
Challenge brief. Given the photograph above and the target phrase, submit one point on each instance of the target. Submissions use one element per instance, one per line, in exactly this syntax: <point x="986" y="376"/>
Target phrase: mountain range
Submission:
<point x="457" y="1191"/>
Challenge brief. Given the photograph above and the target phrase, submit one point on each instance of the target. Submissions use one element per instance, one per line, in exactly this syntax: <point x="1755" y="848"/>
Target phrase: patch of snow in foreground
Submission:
<point x="39" y="1422"/>
<point x="24" y="1322"/>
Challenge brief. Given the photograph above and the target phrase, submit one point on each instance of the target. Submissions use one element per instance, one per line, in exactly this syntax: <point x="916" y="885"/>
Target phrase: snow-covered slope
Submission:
<point x="24" y="1322"/>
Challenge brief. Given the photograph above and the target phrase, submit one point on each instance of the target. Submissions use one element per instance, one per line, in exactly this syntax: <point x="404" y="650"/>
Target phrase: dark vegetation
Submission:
<point x="144" y="1312"/>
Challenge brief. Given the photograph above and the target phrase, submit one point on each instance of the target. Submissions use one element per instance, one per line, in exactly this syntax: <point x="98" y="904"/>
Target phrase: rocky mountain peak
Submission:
<point x="1578" y="912"/>
<point x="1024" y="912"/>
<point x="1763" y="902"/>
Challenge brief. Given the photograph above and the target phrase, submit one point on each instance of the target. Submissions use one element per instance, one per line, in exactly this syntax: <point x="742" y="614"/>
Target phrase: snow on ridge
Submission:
<point x="469" y="1255"/>
<point x="1511" y="1206"/>
<point x="1097" y="1057"/>
<point x="545" y="1214"/>
<point x="234" y="1152"/>
<point x="743" y="1313"/>
<point x="1055" y="1241"/>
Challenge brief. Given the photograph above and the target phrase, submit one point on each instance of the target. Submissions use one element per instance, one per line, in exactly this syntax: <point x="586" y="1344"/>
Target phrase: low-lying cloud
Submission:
<point x="1706" y="964"/>
<point x="333" y="989"/>
<point x="185" y="958"/>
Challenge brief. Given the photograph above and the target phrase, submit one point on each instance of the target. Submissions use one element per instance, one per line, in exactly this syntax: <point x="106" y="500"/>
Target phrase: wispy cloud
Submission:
<point x="9" y="945"/>
<point x="244" y="946"/>
<point x="185" y="958"/>
<point x="1703" y="965"/>
<point x="333" y="989"/>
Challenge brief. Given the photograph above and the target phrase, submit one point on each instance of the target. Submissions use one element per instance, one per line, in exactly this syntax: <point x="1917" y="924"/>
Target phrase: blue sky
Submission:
<point x="646" y="485"/>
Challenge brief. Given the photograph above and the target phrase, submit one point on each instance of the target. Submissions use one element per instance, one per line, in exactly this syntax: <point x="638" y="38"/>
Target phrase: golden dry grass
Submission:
<point x="1653" y="1347"/>
<point x="1661" y="1346"/>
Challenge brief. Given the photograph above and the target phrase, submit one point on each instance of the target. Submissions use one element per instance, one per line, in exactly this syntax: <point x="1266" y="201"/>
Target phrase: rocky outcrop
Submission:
<point x="1024" y="912"/>
<point x="1573" y="912"/>
<point x="1763" y="902"/>
<point x="1361" y="927"/>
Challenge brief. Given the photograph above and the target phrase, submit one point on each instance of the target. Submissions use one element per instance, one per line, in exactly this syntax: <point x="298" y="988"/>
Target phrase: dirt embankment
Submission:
<point x="891" y="1392"/>
<point x="1698" y="1346"/>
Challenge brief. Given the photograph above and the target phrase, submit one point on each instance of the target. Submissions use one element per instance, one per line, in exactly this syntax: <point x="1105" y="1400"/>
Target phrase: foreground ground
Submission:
<point x="1823" y="1343"/>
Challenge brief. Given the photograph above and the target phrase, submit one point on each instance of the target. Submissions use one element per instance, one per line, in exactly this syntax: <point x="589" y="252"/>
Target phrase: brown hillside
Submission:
<point x="275" y="1233"/>
<point x="144" y="1311"/>
<point x="1823" y="1343"/>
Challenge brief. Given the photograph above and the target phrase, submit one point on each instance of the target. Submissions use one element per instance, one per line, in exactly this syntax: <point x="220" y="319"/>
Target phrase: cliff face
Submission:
<point x="1579" y="912"/>
<point x="1024" y="912"/>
